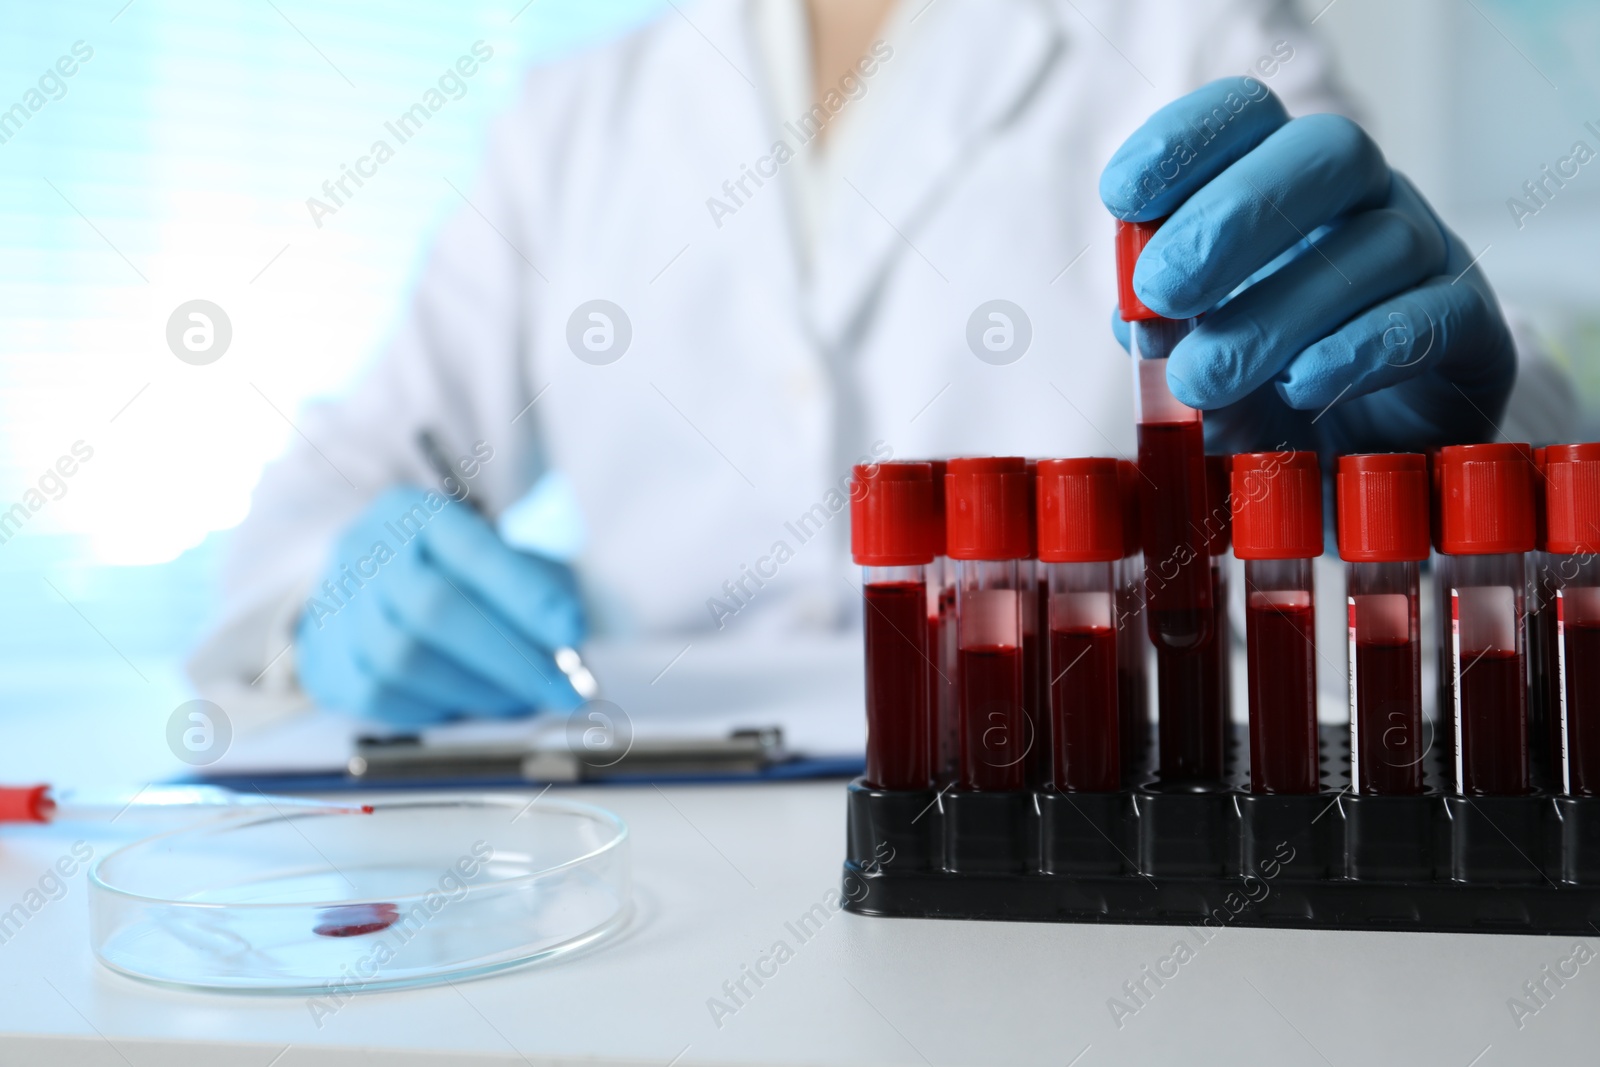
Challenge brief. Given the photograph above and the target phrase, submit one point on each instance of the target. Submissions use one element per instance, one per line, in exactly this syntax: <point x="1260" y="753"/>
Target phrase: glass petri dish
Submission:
<point x="418" y="891"/>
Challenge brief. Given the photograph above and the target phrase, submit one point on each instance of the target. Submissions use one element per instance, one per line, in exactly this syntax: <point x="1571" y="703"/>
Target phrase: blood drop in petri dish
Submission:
<point x="353" y="920"/>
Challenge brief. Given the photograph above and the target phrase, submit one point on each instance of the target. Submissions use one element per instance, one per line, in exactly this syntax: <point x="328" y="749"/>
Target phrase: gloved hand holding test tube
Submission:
<point x="1335" y="310"/>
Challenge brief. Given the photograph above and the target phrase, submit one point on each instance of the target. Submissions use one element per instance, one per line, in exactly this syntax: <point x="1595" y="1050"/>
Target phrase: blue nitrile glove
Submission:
<point x="431" y="616"/>
<point x="1364" y="326"/>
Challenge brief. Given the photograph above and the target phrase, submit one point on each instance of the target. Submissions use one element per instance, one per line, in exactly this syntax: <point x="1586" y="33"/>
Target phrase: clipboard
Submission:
<point x="697" y="712"/>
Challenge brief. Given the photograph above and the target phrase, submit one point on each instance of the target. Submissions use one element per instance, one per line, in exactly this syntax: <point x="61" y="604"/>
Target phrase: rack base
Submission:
<point x="1168" y="855"/>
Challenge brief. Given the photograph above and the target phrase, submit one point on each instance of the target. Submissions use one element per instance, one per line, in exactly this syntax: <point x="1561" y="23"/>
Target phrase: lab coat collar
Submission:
<point x="923" y="125"/>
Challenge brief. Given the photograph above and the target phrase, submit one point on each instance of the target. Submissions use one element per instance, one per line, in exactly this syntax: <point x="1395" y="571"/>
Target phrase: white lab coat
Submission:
<point x="771" y="347"/>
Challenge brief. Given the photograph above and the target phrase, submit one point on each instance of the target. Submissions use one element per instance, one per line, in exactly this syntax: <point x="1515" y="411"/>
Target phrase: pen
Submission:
<point x="567" y="659"/>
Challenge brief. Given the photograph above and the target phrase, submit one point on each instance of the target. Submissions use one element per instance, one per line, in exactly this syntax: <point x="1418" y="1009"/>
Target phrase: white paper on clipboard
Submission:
<point x="811" y="688"/>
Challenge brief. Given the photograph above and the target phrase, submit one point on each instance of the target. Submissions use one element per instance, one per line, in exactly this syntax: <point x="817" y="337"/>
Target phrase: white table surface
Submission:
<point x="719" y="871"/>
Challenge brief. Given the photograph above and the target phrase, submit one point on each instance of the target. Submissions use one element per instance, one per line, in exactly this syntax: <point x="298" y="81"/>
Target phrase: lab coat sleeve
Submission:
<point x="455" y="366"/>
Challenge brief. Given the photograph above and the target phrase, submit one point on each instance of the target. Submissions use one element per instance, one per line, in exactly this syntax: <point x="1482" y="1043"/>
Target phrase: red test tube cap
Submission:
<point x="1486" y="499"/>
<point x="1033" y="508"/>
<point x="1080" y="511"/>
<point x="1130" y="241"/>
<point x="1572" y="500"/>
<point x="936" y="520"/>
<point x="986" y="508"/>
<point x="1435" y="524"/>
<point x="1383" y="507"/>
<point x="891" y="511"/>
<point x="1128" y="481"/>
<point x="1219" y="513"/>
<point x="1541" y="510"/>
<point x="1277" y="505"/>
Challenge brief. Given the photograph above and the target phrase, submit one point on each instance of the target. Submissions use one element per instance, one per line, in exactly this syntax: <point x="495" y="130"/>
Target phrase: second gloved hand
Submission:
<point x="1340" y="314"/>
<point x="432" y="616"/>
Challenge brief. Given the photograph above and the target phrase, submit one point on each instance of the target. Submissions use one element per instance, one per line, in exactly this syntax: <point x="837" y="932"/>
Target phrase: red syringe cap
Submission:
<point x="1128" y="480"/>
<point x="1573" y="498"/>
<point x="1383" y="507"/>
<point x="29" y="803"/>
<point x="1219" y="512"/>
<point x="1131" y="239"/>
<point x="1277" y="505"/>
<point x="1486" y="499"/>
<point x="986" y="508"/>
<point x="891" y="514"/>
<point x="1080" y="511"/>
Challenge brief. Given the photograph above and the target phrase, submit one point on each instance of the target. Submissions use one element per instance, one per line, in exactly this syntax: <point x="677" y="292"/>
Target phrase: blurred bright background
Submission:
<point x="177" y="162"/>
<point x="175" y="166"/>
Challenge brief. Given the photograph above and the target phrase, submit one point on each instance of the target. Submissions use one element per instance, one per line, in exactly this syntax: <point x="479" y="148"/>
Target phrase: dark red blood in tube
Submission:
<point x="1283" y="693"/>
<point x="1277" y="531"/>
<point x="1035" y="637"/>
<point x="995" y="733"/>
<point x="1390" y="726"/>
<point x="1583" y="707"/>
<point x="1494" y="723"/>
<point x="1173" y="506"/>
<point x="896" y="622"/>
<point x="1083" y="698"/>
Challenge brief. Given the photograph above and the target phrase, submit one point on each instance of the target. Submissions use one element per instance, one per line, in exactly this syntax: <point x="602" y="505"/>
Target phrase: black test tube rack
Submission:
<point x="1175" y="854"/>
